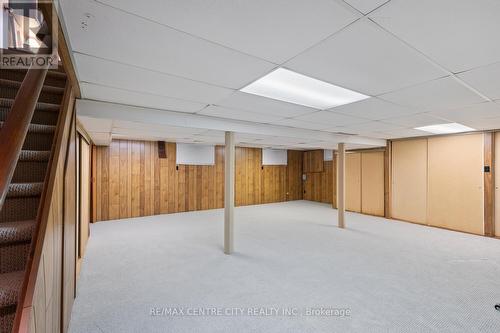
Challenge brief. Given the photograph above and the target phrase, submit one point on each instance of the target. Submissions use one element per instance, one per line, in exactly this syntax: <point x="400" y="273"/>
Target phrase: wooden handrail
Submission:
<point x="15" y="127"/>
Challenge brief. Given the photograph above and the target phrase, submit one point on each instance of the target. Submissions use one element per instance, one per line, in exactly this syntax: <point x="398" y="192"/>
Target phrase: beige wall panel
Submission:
<point x="455" y="194"/>
<point x="353" y="182"/>
<point x="409" y="180"/>
<point x="497" y="184"/>
<point x="372" y="186"/>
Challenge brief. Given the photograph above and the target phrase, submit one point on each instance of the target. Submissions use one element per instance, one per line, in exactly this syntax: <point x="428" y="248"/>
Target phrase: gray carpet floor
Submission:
<point x="159" y="273"/>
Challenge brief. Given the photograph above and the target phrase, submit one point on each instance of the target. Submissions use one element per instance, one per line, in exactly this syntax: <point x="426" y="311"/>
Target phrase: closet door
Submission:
<point x="372" y="183"/>
<point x="409" y="180"/>
<point x="455" y="199"/>
<point x="353" y="182"/>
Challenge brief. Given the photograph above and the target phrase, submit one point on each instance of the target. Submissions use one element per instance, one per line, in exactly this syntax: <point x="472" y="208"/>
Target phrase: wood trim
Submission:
<point x="48" y="10"/>
<point x="489" y="185"/>
<point x="93" y="182"/>
<point x="16" y="126"/>
<point x="365" y="150"/>
<point x="388" y="179"/>
<point x="25" y="305"/>
<point x="83" y="133"/>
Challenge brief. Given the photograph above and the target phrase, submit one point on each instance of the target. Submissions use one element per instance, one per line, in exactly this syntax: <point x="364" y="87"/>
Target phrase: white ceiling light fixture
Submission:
<point x="445" y="128"/>
<point x="288" y="86"/>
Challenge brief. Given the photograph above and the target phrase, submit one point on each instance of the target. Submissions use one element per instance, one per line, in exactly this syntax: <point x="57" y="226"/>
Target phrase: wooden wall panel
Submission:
<point x="84" y="210"/>
<point x="497" y="184"/>
<point x="313" y="161"/>
<point x="409" y="180"/>
<point x="320" y="186"/>
<point x="69" y="230"/>
<point x="294" y="175"/>
<point x="52" y="284"/>
<point x="455" y="193"/>
<point x="372" y="183"/>
<point x="353" y="182"/>
<point x="132" y="181"/>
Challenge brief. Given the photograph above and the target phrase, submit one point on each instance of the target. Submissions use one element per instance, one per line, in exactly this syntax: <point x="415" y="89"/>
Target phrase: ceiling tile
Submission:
<point x="485" y="79"/>
<point x="416" y="120"/>
<point x="228" y="113"/>
<point x="459" y="35"/>
<point x="476" y="111"/>
<point x="364" y="58"/>
<point x="301" y="124"/>
<point x="254" y="103"/>
<point x="484" y="124"/>
<point x="111" y="74"/>
<point x="366" y="6"/>
<point x="373" y="109"/>
<point x="404" y="133"/>
<point x="119" y="96"/>
<point x="275" y="30"/>
<point x="330" y="119"/>
<point x="116" y="35"/>
<point x="365" y="128"/>
<point x="445" y="93"/>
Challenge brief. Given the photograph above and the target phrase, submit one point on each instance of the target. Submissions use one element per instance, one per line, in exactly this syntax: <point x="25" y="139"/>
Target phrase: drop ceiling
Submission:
<point x="172" y="70"/>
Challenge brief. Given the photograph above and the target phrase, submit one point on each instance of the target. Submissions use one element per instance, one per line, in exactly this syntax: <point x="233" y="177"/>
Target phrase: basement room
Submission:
<point x="249" y="166"/>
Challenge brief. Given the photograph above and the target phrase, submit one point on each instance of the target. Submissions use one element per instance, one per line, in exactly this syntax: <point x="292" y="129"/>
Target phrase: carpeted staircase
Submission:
<point x="19" y="212"/>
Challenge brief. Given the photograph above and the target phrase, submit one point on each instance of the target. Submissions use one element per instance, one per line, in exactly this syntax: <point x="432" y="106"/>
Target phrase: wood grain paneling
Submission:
<point x="52" y="279"/>
<point x="69" y="230"/>
<point x="353" y="182"/>
<point x="84" y="210"/>
<point x="294" y="175"/>
<point x="455" y="193"/>
<point x="409" y="180"/>
<point x="372" y="183"/>
<point x="497" y="183"/>
<point x="320" y="186"/>
<point x="313" y="161"/>
<point x="489" y="184"/>
<point x="133" y="181"/>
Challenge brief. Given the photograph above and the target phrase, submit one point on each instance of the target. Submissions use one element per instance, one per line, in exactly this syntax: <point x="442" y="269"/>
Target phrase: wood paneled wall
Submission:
<point x="321" y="186"/>
<point x="438" y="181"/>
<point x="53" y="286"/>
<point x="313" y="161"/>
<point x="131" y="180"/>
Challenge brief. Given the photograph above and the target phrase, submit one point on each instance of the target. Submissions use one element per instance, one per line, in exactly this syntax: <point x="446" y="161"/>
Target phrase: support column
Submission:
<point x="229" y="193"/>
<point x="341" y="185"/>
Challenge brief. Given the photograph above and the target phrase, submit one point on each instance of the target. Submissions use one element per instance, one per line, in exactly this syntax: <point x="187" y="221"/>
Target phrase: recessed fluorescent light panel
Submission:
<point x="285" y="85"/>
<point x="445" y="128"/>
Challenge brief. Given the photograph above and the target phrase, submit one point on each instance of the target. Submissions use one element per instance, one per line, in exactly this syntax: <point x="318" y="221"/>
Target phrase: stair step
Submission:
<point x="31" y="166"/>
<point x="10" y="285"/>
<point x="8" y="102"/>
<point x="19" y="190"/>
<point x="34" y="156"/>
<point x="52" y="95"/>
<point x="38" y="141"/>
<point x="53" y="78"/>
<point x="45" y="88"/>
<point x="13" y="257"/>
<point x="19" y="231"/>
<point x="38" y="128"/>
<point x="19" y="209"/>
<point x="39" y="117"/>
